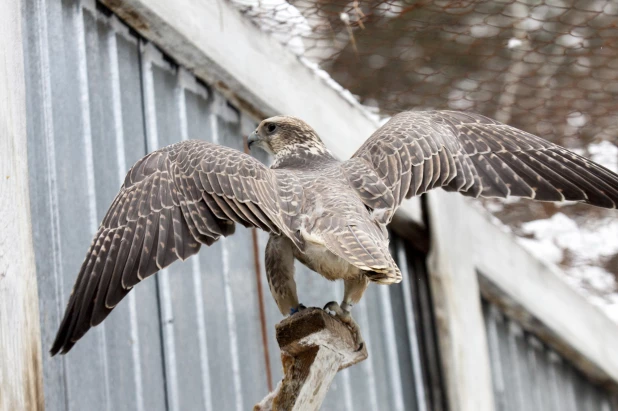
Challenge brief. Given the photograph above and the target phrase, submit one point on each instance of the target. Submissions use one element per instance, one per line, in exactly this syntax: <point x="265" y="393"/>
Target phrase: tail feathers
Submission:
<point x="391" y="276"/>
<point x="366" y="249"/>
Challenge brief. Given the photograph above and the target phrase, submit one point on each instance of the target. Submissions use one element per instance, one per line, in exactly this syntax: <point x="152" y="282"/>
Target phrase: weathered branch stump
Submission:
<point x="314" y="347"/>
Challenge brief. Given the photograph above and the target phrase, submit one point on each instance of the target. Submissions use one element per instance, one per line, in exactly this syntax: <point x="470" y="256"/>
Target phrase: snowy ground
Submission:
<point x="582" y="249"/>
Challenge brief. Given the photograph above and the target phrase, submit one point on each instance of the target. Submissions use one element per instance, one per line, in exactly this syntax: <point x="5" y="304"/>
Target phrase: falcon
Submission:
<point x="331" y="215"/>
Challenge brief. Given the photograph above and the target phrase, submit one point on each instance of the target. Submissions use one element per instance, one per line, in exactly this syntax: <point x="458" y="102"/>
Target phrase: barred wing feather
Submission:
<point x="476" y="156"/>
<point x="172" y="201"/>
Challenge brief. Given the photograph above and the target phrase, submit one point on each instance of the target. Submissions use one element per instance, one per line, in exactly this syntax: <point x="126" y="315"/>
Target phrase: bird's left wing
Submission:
<point x="172" y="201"/>
<point x="419" y="150"/>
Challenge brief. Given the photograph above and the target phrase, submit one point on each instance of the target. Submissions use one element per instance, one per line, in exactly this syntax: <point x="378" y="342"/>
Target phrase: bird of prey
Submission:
<point x="330" y="215"/>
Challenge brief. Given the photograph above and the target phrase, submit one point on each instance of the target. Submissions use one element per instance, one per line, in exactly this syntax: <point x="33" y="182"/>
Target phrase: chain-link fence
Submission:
<point x="549" y="67"/>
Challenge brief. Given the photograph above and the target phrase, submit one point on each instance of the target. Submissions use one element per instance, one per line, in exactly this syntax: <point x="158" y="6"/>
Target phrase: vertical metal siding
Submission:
<point x="100" y="98"/>
<point x="69" y="113"/>
<point x="379" y="382"/>
<point x="408" y="312"/>
<point x="528" y="375"/>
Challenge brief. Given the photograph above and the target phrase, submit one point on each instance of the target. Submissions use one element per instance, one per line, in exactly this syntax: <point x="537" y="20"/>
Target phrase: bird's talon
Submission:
<point x="330" y="305"/>
<point x="334" y="309"/>
<point x="297" y="309"/>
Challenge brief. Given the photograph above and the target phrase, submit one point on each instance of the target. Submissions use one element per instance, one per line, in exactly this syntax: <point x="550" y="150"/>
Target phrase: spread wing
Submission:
<point x="417" y="151"/>
<point x="172" y="201"/>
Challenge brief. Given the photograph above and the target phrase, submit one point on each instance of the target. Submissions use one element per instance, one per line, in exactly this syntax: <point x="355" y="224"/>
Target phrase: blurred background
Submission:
<point x="549" y="67"/>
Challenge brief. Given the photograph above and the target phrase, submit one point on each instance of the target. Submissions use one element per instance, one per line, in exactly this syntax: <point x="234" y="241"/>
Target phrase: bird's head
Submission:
<point x="285" y="135"/>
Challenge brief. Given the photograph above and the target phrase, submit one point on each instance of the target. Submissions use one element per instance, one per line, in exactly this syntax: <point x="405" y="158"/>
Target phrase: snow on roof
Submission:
<point x="286" y="24"/>
<point x="279" y="18"/>
<point x="560" y="237"/>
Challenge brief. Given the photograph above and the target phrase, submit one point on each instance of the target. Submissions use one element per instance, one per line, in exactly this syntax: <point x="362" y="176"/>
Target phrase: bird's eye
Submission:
<point x="271" y="128"/>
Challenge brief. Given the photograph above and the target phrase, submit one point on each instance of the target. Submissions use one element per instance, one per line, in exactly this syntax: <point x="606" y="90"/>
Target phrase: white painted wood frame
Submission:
<point x="20" y="347"/>
<point x="468" y="245"/>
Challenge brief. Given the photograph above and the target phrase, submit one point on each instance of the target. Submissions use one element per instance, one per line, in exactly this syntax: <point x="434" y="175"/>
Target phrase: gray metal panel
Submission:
<point x="241" y="291"/>
<point x="223" y="384"/>
<point x="40" y="166"/>
<point x="273" y="316"/>
<point x="183" y="374"/>
<point x="239" y="362"/>
<point x="75" y="110"/>
<point x="143" y="302"/>
<point x="404" y="354"/>
<point x="187" y="297"/>
<point x="121" y="368"/>
<point x="525" y="378"/>
<point x="43" y="199"/>
<point x="528" y="375"/>
<point x="374" y="333"/>
<point x="415" y="391"/>
<point x="74" y="199"/>
<point x="211" y="317"/>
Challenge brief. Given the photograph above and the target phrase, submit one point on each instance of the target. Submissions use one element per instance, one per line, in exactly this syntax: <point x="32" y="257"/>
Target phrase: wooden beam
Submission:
<point x="466" y="244"/>
<point x="314" y="347"/>
<point x="412" y="231"/>
<point x="20" y="350"/>
<point x="459" y="317"/>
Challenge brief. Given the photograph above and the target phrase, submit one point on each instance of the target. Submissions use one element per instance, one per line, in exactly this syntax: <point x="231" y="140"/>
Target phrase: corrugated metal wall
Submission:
<point x="189" y="338"/>
<point x="529" y="376"/>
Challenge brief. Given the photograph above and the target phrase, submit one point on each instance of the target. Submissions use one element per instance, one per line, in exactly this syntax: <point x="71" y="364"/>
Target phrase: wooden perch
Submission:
<point x="314" y="347"/>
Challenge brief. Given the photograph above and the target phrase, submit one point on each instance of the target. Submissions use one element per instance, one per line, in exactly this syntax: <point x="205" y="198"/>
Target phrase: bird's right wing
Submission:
<point x="416" y="151"/>
<point x="172" y="201"/>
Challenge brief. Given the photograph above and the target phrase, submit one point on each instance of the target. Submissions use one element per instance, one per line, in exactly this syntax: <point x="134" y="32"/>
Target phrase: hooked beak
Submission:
<point x="253" y="138"/>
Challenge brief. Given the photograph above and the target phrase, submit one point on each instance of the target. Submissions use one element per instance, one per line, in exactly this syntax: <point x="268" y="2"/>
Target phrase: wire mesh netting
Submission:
<point x="549" y="67"/>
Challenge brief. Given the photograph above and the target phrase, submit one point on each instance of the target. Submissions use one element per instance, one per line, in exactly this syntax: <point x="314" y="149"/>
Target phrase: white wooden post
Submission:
<point x="457" y="300"/>
<point x="314" y="347"/>
<point x="20" y="350"/>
